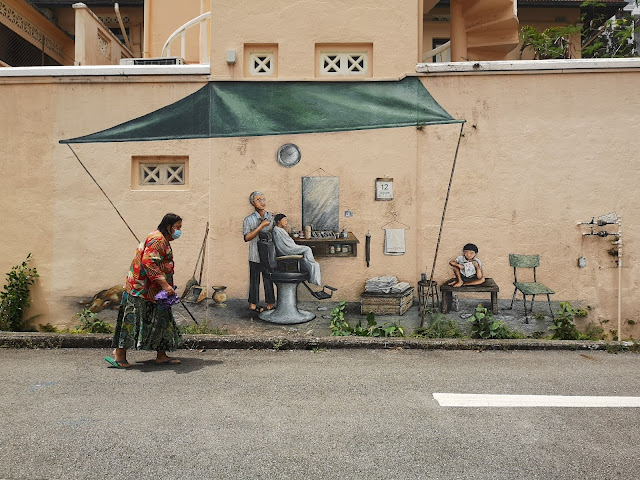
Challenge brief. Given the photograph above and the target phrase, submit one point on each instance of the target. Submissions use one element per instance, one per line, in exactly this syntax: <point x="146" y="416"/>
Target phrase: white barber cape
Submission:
<point x="286" y="246"/>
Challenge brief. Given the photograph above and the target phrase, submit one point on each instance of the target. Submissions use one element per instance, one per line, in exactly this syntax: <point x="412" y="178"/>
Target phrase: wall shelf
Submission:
<point x="321" y="247"/>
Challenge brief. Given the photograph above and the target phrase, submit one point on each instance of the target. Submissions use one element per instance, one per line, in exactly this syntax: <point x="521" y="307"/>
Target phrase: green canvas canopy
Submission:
<point x="243" y="109"/>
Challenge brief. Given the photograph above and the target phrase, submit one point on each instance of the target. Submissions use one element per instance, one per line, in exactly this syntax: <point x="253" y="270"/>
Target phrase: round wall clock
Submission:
<point x="288" y="155"/>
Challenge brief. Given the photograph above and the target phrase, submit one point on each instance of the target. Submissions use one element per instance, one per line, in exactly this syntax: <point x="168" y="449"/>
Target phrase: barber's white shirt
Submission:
<point x="249" y="225"/>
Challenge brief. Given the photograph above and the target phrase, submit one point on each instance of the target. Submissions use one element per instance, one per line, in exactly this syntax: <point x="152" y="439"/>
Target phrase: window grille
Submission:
<point x="262" y="63"/>
<point x="353" y="63"/>
<point x="162" y="174"/>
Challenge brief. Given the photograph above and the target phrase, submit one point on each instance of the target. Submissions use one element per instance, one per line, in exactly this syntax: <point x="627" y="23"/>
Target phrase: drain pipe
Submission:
<point x="619" y="242"/>
<point x="124" y="32"/>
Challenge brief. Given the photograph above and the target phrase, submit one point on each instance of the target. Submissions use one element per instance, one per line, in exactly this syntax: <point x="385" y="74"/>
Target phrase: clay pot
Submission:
<point x="219" y="296"/>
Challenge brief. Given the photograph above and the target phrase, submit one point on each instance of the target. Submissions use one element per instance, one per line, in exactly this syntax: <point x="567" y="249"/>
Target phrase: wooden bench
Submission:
<point x="488" y="286"/>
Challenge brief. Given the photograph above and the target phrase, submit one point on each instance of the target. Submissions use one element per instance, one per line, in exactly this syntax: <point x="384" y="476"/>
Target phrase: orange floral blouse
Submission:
<point x="153" y="260"/>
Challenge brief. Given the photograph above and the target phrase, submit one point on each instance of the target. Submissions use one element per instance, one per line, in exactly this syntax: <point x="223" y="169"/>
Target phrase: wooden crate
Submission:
<point x="386" y="303"/>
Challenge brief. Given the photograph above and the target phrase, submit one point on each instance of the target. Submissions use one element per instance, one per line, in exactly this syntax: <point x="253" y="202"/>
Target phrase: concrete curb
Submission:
<point x="56" y="340"/>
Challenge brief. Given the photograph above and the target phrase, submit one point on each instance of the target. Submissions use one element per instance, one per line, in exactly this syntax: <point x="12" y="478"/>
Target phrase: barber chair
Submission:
<point x="285" y="272"/>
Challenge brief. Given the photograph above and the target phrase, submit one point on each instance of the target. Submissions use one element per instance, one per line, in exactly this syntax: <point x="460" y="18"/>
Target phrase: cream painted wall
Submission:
<point x="537" y="158"/>
<point x="89" y="32"/>
<point x="391" y="27"/>
<point x="165" y="17"/>
<point x="534" y="161"/>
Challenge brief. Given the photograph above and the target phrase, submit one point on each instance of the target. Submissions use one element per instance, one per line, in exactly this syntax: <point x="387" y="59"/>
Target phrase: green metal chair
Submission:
<point x="528" y="288"/>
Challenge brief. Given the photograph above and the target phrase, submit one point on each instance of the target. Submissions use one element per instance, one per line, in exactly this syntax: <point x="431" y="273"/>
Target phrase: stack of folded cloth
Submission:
<point x="385" y="284"/>
<point x="400" y="287"/>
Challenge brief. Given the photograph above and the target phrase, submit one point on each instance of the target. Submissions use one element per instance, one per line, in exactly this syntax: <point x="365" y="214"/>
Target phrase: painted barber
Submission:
<point x="259" y="220"/>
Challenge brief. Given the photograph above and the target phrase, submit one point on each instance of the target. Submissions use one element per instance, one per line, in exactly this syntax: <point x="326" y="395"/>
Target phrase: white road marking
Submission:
<point x="484" y="400"/>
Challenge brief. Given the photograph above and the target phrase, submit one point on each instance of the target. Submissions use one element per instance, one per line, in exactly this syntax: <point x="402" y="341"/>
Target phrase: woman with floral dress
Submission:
<point x="142" y="323"/>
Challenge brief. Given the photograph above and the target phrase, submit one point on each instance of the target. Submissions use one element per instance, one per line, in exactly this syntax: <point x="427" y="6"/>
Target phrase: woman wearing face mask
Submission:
<point x="142" y="323"/>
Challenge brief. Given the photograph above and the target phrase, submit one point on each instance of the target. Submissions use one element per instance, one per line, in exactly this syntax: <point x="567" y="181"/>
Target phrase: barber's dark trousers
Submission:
<point x="255" y="269"/>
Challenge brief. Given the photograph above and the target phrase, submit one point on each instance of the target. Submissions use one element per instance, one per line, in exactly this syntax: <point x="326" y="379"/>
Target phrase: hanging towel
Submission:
<point x="394" y="243"/>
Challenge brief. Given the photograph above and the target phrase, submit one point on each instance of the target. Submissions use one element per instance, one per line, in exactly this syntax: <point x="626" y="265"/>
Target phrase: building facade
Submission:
<point x="541" y="151"/>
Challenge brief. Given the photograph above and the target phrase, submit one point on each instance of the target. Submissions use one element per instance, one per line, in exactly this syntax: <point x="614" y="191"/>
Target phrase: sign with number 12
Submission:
<point x="384" y="188"/>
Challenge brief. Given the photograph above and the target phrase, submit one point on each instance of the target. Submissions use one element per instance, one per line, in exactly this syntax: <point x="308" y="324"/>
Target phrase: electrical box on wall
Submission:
<point x="231" y="56"/>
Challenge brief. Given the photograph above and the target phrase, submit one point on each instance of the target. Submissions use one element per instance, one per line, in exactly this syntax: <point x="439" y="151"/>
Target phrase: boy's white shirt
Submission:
<point x="468" y="268"/>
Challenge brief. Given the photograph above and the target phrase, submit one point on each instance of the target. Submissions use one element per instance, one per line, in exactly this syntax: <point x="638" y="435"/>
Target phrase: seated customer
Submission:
<point x="286" y="246"/>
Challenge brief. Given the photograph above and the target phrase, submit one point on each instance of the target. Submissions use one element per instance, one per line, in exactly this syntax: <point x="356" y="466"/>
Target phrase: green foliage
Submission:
<point x="90" y="324"/>
<point x="340" y="327"/>
<point x="483" y="325"/>
<point x="202" y="329"/>
<point x="15" y="298"/>
<point x="564" y="327"/>
<point x="539" y="315"/>
<point x="440" y="327"/>
<point x="593" y="332"/>
<point x="552" y="42"/>
<point x="48" y="328"/>
<point x="387" y="330"/>
<point x="605" y="36"/>
<point x="280" y="344"/>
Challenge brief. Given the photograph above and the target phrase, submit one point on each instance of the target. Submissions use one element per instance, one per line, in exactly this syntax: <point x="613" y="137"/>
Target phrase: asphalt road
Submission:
<point x="302" y="414"/>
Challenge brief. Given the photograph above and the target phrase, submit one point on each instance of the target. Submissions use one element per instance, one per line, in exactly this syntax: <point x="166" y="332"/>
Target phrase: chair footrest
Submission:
<point x="320" y="295"/>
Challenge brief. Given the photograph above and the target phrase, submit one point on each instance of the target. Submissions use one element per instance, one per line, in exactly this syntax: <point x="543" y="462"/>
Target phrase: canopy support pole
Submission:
<point x="430" y="284"/>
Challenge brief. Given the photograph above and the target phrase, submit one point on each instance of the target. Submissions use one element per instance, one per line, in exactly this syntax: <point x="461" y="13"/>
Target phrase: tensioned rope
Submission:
<point x="430" y="285"/>
<point x="103" y="192"/>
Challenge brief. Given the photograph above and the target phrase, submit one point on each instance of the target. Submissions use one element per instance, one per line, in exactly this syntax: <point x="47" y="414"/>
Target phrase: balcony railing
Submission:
<point x="203" y="21"/>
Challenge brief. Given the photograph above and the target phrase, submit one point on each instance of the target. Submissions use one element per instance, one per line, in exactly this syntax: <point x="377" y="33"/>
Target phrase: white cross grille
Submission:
<point x="175" y="174"/>
<point x="344" y="63"/>
<point x="262" y="63"/>
<point x="150" y="174"/>
<point x="162" y="174"/>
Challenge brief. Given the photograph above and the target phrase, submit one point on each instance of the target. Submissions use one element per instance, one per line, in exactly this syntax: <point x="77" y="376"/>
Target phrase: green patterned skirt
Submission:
<point x="144" y="325"/>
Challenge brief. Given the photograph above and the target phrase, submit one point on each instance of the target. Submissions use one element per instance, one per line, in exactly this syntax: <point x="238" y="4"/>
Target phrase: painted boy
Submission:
<point x="467" y="267"/>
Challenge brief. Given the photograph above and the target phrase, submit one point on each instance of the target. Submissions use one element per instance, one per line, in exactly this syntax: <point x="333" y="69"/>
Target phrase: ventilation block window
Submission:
<point x="261" y="60"/>
<point x="159" y="173"/>
<point x="344" y="64"/>
<point x="261" y="64"/>
<point x="344" y="60"/>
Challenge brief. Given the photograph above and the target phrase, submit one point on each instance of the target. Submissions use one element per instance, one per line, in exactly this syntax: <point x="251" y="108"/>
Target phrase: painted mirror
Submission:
<point x="321" y="203"/>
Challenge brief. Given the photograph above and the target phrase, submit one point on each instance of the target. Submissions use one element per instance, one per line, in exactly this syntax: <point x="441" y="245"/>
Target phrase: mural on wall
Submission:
<point x="109" y="298"/>
<point x="238" y="109"/>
